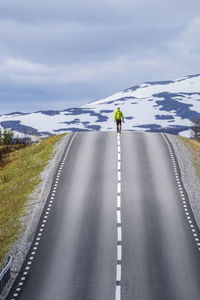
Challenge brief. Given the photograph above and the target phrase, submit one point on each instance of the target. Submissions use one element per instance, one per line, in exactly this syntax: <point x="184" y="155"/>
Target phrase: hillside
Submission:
<point x="167" y="106"/>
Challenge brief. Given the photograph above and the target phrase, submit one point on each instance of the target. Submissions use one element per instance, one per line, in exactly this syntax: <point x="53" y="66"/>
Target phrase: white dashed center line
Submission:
<point x="118" y="217"/>
<point x="119" y="165"/>
<point x="119" y="223"/>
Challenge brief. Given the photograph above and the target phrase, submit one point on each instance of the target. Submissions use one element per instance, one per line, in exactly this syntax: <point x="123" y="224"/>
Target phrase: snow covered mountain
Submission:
<point x="165" y="106"/>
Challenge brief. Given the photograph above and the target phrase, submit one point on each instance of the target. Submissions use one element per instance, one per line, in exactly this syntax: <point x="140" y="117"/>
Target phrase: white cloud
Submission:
<point x="27" y="71"/>
<point x="188" y="42"/>
<point x="14" y="65"/>
<point x="184" y="50"/>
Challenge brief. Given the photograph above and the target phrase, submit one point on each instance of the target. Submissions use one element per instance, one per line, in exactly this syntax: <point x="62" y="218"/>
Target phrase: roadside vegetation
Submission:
<point x="7" y="137"/>
<point x="195" y="146"/>
<point x="20" y="169"/>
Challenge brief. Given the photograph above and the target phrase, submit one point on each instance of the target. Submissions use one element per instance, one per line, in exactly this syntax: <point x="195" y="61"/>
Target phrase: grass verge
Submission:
<point x="19" y="176"/>
<point x="195" y="147"/>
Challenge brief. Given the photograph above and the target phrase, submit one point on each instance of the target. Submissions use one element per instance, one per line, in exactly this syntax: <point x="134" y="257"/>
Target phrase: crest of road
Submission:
<point x="117" y="225"/>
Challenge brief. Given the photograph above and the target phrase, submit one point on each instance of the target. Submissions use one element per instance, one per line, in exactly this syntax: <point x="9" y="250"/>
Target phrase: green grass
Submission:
<point x="20" y="171"/>
<point x="195" y="146"/>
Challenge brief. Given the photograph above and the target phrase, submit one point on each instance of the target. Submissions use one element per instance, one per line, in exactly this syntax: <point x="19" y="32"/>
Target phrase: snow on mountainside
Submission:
<point x="165" y="106"/>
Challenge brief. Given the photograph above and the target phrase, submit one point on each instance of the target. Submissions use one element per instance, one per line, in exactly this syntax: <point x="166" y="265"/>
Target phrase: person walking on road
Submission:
<point x="118" y="119"/>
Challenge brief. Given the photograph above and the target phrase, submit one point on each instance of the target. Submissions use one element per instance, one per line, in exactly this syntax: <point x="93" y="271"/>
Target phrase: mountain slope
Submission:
<point x="169" y="106"/>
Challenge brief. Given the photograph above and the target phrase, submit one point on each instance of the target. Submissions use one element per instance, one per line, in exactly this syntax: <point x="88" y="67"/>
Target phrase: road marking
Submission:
<point x="119" y="176"/>
<point x="119" y="221"/>
<point x="23" y="278"/>
<point x="119" y="252"/>
<point x="49" y="205"/>
<point x="118" y="201"/>
<point x="119" y="234"/>
<point x="186" y="205"/>
<point x="119" y="272"/>
<point x="118" y="217"/>
<point x="119" y="187"/>
<point x="118" y="292"/>
<point x="119" y="165"/>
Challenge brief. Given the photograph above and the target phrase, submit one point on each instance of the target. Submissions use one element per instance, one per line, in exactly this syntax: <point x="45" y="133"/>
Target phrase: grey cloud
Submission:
<point x="67" y="42"/>
<point x="93" y="11"/>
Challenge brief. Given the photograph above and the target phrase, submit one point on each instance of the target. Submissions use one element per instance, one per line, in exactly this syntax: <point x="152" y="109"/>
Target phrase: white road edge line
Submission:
<point x="180" y="187"/>
<point x="29" y="262"/>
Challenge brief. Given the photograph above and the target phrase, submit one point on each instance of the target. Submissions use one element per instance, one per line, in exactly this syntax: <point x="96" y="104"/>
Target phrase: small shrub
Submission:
<point x="196" y="128"/>
<point x="8" y="137"/>
<point x="1" y="137"/>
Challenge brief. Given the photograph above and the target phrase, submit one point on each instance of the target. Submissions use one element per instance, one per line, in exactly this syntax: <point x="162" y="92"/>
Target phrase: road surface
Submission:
<point x="117" y="225"/>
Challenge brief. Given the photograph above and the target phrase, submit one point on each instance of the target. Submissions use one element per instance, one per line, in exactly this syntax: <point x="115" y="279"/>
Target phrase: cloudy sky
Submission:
<point x="56" y="54"/>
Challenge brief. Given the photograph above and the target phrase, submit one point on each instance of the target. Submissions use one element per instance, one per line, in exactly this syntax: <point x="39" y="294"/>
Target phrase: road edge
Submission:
<point x="34" y="211"/>
<point x="191" y="182"/>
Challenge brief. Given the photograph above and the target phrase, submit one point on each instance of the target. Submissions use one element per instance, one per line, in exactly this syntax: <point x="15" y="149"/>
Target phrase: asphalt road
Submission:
<point x="117" y="225"/>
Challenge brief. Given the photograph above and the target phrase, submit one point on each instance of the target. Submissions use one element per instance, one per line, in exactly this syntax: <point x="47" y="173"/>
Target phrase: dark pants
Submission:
<point x="119" y="126"/>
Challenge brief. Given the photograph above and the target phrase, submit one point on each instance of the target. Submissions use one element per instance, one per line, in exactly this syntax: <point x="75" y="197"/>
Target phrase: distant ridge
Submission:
<point x="161" y="106"/>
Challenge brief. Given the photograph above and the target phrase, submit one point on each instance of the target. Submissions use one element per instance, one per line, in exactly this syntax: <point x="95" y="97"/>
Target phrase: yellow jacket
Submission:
<point x="119" y="115"/>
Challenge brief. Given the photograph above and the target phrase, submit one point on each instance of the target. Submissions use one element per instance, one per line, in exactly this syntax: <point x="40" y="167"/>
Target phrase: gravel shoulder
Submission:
<point x="191" y="181"/>
<point x="34" y="211"/>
